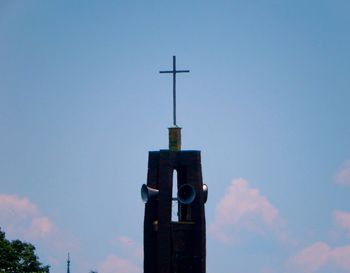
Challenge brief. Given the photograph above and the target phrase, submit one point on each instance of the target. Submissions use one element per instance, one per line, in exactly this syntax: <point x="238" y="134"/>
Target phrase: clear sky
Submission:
<point x="266" y="101"/>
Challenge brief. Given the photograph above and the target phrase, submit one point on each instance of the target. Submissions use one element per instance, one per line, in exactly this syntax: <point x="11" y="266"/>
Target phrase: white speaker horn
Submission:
<point x="205" y="193"/>
<point x="148" y="193"/>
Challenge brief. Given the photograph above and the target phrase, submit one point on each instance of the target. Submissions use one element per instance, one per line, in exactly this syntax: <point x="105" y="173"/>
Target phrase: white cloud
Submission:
<point x="21" y="218"/>
<point x="128" y="258"/>
<point x="340" y="256"/>
<point x="124" y="240"/>
<point x="245" y="208"/>
<point x="116" y="264"/>
<point x="319" y="255"/>
<point x="128" y="247"/>
<point x="312" y="257"/>
<point x="41" y="227"/>
<point x="342" y="220"/>
<point x="266" y="269"/>
<point x="342" y="177"/>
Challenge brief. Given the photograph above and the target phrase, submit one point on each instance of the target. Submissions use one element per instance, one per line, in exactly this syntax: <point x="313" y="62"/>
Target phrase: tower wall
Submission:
<point x="174" y="247"/>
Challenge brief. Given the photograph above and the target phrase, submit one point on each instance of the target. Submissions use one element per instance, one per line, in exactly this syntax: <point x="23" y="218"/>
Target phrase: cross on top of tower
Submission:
<point x="174" y="72"/>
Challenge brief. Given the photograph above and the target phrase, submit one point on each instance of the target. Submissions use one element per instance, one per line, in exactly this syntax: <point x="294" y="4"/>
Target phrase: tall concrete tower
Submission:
<point x="175" y="245"/>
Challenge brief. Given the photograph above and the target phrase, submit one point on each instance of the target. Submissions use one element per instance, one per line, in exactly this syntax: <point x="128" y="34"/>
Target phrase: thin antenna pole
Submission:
<point x="68" y="263"/>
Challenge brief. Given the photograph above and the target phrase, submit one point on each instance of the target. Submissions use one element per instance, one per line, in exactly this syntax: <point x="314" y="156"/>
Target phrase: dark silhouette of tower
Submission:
<point x="68" y="264"/>
<point x="178" y="245"/>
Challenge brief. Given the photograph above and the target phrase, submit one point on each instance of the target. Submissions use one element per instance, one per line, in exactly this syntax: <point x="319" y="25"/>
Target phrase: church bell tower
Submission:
<point x="175" y="245"/>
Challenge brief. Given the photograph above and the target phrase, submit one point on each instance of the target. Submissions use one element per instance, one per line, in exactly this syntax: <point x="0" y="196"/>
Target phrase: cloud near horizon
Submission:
<point x="244" y="208"/>
<point x="342" y="177"/>
<point x="319" y="255"/>
<point x="116" y="264"/>
<point x="128" y="259"/>
<point x="129" y="248"/>
<point x="342" y="220"/>
<point x="21" y="218"/>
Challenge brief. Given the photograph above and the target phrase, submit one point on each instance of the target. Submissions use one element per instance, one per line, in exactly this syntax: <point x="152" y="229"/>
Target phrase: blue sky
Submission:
<point x="267" y="103"/>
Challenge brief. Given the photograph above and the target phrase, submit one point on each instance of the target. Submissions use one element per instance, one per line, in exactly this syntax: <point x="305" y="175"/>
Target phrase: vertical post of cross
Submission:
<point x="174" y="72"/>
<point x="174" y="90"/>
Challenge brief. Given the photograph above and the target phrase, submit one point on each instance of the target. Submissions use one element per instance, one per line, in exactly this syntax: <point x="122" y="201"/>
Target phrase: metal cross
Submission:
<point x="174" y="71"/>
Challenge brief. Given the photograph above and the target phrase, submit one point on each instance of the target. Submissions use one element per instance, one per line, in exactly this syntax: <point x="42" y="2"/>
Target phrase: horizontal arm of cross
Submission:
<point x="176" y="71"/>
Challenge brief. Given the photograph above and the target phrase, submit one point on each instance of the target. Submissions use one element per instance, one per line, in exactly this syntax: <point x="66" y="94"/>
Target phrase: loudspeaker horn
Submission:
<point x="205" y="193"/>
<point x="148" y="193"/>
<point x="186" y="194"/>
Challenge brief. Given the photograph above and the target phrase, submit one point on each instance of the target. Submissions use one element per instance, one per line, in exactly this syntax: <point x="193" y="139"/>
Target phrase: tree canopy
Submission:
<point x="19" y="257"/>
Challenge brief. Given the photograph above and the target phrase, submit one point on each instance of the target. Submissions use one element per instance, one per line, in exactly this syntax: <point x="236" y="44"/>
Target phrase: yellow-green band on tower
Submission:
<point x="175" y="139"/>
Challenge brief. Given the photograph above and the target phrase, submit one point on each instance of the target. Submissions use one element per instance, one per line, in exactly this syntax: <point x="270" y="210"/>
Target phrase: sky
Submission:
<point x="266" y="101"/>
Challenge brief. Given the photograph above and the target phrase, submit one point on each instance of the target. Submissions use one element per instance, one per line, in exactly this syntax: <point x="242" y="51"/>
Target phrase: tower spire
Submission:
<point x="68" y="263"/>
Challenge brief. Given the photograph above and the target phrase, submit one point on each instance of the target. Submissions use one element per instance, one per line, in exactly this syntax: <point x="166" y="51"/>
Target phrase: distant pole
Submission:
<point x="174" y="72"/>
<point x="68" y="264"/>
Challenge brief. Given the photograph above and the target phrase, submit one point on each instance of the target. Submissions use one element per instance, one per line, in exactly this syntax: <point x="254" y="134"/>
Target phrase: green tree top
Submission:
<point x="19" y="257"/>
